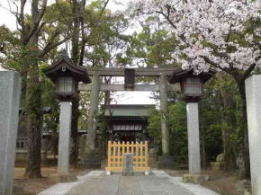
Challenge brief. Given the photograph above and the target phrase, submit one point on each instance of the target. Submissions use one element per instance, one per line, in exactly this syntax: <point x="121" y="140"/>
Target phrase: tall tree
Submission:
<point x="222" y="34"/>
<point x="30" y="37"/>
<point x="33" y="46"/>
<point x="78" y="8"/>
<point x="82" y="27"/>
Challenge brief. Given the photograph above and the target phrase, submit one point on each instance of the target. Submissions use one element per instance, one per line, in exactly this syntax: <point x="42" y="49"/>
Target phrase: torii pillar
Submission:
<point x="94" y="102"/>
<point x="91" y="157"/>
<point x="164" y="114"/>
<point x="165" y="161"/>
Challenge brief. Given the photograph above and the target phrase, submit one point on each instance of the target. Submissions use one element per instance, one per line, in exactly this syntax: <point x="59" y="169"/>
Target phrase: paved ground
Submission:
<point x="97" y="183"/>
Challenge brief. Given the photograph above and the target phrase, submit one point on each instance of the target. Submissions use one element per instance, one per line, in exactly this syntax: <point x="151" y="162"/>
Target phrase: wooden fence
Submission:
<point x="116" y="151"/>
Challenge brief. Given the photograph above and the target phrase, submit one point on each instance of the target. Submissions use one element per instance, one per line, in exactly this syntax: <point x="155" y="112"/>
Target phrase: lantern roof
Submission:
<point x="64" y="66"/>
<point x="179" y="75"/>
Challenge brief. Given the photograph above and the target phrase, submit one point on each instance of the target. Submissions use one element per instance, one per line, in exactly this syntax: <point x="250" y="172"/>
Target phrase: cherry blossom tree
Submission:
<point x="220" y="34"/>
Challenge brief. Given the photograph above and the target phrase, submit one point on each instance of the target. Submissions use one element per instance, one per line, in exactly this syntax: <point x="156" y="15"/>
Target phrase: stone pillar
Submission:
<point x="64" y="138"/>
<point x="10" y="89"/>
<point x="164" y="114"/>
<point x="253" y="97"/>
<point x="128" y="165"/>
<point x="95" y="89"/>
<point x="193" y="138"/>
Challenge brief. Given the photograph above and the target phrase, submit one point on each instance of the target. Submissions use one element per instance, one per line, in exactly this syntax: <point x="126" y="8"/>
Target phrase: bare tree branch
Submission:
<point x="51" y="46"/>
<point x="38" y="19"/>
<point x="166" y="16"/>
<point x="248" y="71"/>
<point x="84" y="38"/>
<point x="209" y="61"/>
<point x="103" y="9"/>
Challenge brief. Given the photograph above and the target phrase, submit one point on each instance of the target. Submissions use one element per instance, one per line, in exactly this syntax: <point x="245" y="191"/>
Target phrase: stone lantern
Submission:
<point x="66" y="75"/>
<point x="192" y="89"/>
<point x="191" y="84"/>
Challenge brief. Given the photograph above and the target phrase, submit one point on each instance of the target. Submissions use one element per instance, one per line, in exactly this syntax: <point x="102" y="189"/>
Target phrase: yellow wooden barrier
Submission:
<point x="116" y="151"/>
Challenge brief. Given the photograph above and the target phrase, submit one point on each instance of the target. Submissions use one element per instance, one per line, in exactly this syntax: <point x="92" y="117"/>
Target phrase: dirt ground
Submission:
<point x="50" y="177"/>
<point x="219" y="181"/>
<point x="223" y="183"/>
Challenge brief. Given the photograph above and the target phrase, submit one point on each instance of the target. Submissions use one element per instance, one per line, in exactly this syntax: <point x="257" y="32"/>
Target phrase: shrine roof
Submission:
<point x="118" y="110"/>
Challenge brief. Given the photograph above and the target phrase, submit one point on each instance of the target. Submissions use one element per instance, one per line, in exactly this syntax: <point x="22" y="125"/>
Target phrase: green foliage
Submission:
<point x="220" y="121"/>
<point x="152" y="48"/>
<point x="154" y="126"/>
<point x="49" y="103"/>
<point x="178" y="132"/>
<point x="220" y="118"/>
<point x="105" y="42"/>
<point x="84" y="109"/>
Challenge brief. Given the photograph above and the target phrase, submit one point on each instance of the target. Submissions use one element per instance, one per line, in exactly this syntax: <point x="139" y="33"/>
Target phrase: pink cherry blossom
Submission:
<point x="216" y="33"/>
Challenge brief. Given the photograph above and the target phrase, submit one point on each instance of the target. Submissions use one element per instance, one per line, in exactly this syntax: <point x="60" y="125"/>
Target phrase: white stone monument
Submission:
<point x="253" y="97"/>
<point x="10" y="89"/>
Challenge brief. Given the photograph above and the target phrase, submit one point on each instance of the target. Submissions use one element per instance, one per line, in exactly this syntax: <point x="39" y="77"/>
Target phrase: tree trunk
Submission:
<point x="203" y="152"/>
<point x="33" y="102"/>
<point x="92" y="120"/>
<point x="34" y="123"/>
<point x="76" y="10"/>
<point x="77" y="14"/>
<point x="229" y="158"/>
<point x="75" y="140"/>
<point x="245" y="172"/>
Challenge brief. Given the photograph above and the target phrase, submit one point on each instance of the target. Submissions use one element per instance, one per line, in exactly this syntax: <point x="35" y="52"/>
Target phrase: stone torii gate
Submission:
<point x="66" y="76"/>
<point x="162" y="85"/>
<point x="191" y="86"/>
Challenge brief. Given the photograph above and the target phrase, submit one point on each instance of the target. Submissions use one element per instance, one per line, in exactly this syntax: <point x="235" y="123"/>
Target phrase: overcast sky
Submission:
<point x="6" y="18"/>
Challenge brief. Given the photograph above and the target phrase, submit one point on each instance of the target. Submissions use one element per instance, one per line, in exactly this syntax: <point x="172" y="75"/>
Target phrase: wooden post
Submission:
<point x="164" y="114"/>
<point x="146" y="154"/>
<point x="109" y="153"/>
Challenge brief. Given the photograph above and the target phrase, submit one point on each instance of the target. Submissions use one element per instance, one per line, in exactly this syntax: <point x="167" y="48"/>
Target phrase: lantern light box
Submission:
<point x="191" y="83"/>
